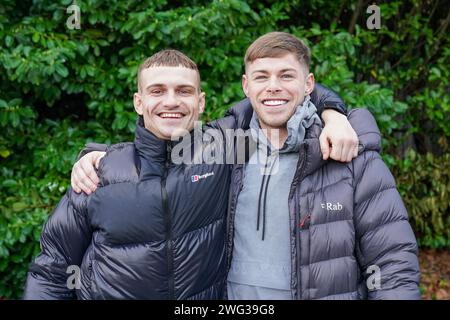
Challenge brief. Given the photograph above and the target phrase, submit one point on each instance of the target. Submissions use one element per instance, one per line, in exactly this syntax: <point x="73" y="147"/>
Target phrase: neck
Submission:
<point x="276" y="136"/>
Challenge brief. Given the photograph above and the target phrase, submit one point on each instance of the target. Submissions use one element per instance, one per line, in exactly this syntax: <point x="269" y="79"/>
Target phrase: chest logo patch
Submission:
<point x="196" y="177"/>
<point x="331" y="206"/>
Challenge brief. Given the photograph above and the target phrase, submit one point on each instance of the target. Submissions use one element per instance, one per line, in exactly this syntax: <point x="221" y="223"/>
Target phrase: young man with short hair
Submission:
<point x="313" y="229"/>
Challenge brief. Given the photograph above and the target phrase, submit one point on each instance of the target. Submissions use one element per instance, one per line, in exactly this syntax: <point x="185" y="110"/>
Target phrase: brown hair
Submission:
<point x="276" y="45"/>
<point x="168" y="58"/>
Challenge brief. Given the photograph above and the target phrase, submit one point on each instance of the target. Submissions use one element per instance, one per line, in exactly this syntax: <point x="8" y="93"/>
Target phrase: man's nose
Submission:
<point x="171" y="100"/>
<point x="274" y="85"/>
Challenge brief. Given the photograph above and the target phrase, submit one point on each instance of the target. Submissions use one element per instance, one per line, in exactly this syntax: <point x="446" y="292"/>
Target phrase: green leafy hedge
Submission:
<point x="61" y="88"/>
<point x="424" y="183"/>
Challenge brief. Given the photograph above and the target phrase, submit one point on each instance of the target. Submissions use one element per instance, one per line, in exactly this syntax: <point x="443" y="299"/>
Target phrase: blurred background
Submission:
<point x="65" y="82"/>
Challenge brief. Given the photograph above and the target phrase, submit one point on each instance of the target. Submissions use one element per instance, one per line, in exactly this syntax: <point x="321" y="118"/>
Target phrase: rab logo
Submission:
<point x="331" y="207"/>
<point x="196" y="177"/>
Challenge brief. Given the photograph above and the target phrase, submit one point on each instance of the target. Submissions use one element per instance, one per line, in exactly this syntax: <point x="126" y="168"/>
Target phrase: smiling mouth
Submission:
<point x="274" y="102"/>
<point x="171" y="115"/>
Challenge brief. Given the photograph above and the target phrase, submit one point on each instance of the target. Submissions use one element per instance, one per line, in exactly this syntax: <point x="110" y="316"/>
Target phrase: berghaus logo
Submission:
<point x="196" y="177"/>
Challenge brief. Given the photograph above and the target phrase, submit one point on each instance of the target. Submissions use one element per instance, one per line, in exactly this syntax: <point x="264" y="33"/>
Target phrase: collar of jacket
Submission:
<point x="242" y="113"/>
<point x="305" y="116"/>
<point x="154" y="153"/>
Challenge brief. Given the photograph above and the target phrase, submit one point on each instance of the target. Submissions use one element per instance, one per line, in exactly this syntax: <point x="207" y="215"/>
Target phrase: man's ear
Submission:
<point x="201" y="102"/>
<point x="137" y="101"/>
<point x="309" y="84"/>
<point x="245" y="85"/>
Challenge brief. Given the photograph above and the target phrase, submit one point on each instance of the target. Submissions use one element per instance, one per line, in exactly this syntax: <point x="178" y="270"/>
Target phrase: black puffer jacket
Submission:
<point x="149" y="232"/>
<point x="348" y="224"/>
<point x="153" y="230"/>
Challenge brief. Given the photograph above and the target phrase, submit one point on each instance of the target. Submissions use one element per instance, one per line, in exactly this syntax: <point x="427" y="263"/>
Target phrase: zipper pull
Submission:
<point x="303" y="221"/>
<point x="168" y="154"/>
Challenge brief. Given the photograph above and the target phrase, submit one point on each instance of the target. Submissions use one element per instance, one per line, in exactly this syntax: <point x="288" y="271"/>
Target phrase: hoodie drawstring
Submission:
<point x="263" y="192"/>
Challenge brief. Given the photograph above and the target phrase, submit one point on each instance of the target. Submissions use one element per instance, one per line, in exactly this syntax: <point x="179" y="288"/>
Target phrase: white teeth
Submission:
<point x="170" y="115"/>
<point x="274" y="102"/>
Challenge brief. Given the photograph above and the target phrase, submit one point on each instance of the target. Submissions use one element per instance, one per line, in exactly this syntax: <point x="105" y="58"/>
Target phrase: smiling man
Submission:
<point x="163" y="115"/>
<point x="135" y="237"/>
<point x="276" y="91"/>
<point x="313" y="229"/>
<point x="153" y="229"/>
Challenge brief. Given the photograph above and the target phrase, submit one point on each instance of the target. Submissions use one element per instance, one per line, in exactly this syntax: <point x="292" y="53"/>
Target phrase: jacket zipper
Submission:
<point x="232" y="208"/>
<point x="168" y="218"/>
<point x="298" y="174"/>
<point x="303" y="221"/>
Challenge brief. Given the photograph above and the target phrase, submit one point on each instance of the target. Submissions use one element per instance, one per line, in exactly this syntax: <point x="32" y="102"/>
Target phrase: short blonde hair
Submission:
<point x="168" y="58"/>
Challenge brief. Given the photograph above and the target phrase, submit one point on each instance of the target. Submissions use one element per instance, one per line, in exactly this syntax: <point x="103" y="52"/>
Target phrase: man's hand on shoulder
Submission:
<point x="338" y="140"/>
<point x="83" y="177"/>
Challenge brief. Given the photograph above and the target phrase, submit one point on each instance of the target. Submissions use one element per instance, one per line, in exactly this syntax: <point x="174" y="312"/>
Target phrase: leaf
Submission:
<point x="9" y="41"/>
<point x="120" y="122"/>
<point x="9" y="183"/>
<point x="35" y="37"/>
<point x="92" y="18"/>
<point x="26" y="51"/>
<point x="4" y="153"/>
<point x="19" y="206"/>
<point x="15" y="119"/>
<point x="61" y="70"/>
<point x="15" y="102"/>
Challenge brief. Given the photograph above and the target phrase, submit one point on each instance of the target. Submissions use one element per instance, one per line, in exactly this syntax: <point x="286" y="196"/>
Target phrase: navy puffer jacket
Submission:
<point x="148" y="232"/>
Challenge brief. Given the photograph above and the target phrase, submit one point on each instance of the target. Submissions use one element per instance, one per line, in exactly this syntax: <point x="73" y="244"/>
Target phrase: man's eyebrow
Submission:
<point x="260" y="70"/>
<point x="189" y="86"/>
<point x="288" y="70"/>
<point x="163" y="85"/>
<point x="281" y="71"/>
<point x="154" y="85"/>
